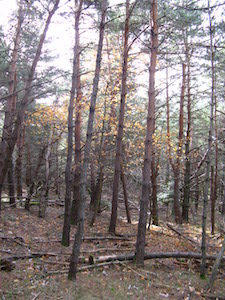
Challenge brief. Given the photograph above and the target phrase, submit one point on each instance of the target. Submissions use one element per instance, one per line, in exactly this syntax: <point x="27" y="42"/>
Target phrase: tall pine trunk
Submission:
<point x="68" y="171"/>
<point x="77" y="132"/>
<point x="187" y="174"/>
<point x="208" y="157"/>
<point x="11" y="183"/>
<point x="80" y="228"/>
<point x="140" y="244"/>
<point x="18" y="169"/>
<point x="177" y="164"/>
<point x="214" y="198"/>
<point x="113" y="219"/>
<point x="45" y="189"/>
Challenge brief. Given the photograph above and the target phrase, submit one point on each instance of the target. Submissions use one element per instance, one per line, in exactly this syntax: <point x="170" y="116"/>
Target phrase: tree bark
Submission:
<point x="113" y="219"/>
<point x="140" y="244"/>
<point x="18" y="169"/>
<point x="208" y="157"/>
<point x="124" y="183"/>
<point x="44" y="193"/>
<point x="77" y="132"/>
<point x="154" y="204"/>
<point x="216" y="266"/>
<point x="80" y="228"/>
<point x="11" y="184"/>
<point x="176" y="169"/>
<point x="68" y="171"/>
<point x="187" y="174"/>
<point x="214" y="198"/>
<point x="28" y="165"/>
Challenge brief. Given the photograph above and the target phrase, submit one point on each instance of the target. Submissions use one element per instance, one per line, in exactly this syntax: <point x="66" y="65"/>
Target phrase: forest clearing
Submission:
<point x="112" y="157"/>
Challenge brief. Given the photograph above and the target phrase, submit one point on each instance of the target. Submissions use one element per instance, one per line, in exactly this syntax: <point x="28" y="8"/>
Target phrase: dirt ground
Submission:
<point x="45" y="277"/>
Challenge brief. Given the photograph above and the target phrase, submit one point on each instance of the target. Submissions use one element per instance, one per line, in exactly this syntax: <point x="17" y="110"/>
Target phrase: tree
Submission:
<point x="80" y="228"/>
<point x="77" y="133"/>
<point x="7" y="144"/>
<point x="112" y="225"/>
<point x="68" y="172"/>
<point x="140" y="244"/>
<point x="208" y="158"/>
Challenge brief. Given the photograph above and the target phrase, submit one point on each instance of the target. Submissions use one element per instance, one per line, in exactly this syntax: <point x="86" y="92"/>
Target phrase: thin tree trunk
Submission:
<point x="176" y="169"/>
<point x="97" y="188"/>
<point x="57" y="167"/>
<point x="80" y="229"/>
<point x="44" y="193"/>
<point x="124" y="183"/>
<point x="34" y="178"/>
<point x="208" y="158"/>
<point x="113" y="219"/>
<point x="6" y="149"/>
<point x="223" y="203"/>
<point x="92" y="185"/>
<point x="28" y="166"/>
<point x="11" y="184"/>
<point x="187" y="174"/>
<point x="212" y="200"/>
<point x="140" y="244"/>
<point x="197" y="194"/>
<point x="68" y="171"/>
<point x="216" y="266"/>
<point x="77" y="136"/>
<point x="18" y="169"/>
<point x="97" y="195"/>
<point x="154" y="204"/>
<point x="105" y="131"/>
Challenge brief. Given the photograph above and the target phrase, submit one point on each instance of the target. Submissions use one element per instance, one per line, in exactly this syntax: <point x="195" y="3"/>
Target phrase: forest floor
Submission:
<point x="45" y="277"/>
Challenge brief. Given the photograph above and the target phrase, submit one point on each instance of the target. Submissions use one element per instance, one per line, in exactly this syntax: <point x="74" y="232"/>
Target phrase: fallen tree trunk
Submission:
<point x="85" y="268"/>
<point x="90" y="238"/>
<point x="26" y="256"/>
<point x="155" y="255"/>
<point x="116" y="259"/>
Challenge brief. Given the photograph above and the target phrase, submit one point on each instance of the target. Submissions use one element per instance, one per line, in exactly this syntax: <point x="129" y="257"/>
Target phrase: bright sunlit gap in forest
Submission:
<point x="112" y="174"/>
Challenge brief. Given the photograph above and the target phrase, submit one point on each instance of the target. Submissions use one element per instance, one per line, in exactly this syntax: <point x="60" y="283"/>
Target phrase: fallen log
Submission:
<point x="26" y="256"/>
<point x="156" y="255"/>
<point x="85" y="268"/>
<point x="89" y="238"/>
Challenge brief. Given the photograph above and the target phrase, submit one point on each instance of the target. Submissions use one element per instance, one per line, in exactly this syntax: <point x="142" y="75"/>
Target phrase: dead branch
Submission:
<point x="17" y="239"/>
<point x="193" y="242"/>
<point x="26" y="256"/>
<point x="89" y="238"/>
<point x="85" y="268"/>
<point x="186" y="237"/>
